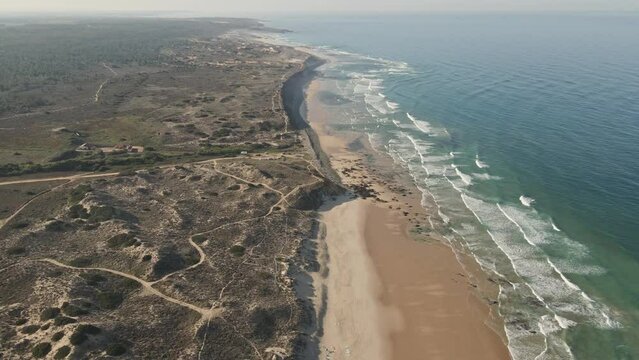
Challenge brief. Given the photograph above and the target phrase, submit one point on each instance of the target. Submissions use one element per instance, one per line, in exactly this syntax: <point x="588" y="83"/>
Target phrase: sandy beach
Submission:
<point x="391" y="292"/>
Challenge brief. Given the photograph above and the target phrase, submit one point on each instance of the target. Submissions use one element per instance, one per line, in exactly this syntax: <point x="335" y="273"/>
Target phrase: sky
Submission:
<point x="248" y="7"/>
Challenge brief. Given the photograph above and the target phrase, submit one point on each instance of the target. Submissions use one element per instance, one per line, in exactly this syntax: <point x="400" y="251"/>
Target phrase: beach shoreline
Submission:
<point x="390" y="289"/>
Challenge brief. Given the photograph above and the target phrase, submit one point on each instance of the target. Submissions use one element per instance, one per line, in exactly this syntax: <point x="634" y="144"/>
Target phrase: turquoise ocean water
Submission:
<point x="524" y="131"/>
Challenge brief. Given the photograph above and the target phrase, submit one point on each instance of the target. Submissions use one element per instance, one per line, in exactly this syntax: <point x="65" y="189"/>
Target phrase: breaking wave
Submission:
<point x="526" y="201"/>
<point x="480" y="164"/>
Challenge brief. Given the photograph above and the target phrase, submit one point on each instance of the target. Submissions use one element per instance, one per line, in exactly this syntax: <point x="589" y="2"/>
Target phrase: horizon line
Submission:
<point x="256" y="15"/>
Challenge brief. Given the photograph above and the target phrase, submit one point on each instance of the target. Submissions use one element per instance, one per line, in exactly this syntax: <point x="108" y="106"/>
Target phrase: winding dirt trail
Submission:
<point x="96" y="98"/>
<point x="5" y="221"/>
<point x="205" y="312"/>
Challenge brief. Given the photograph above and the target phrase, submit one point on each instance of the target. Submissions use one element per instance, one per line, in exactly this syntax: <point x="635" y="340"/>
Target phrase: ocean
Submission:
<point x="523" y="130"/>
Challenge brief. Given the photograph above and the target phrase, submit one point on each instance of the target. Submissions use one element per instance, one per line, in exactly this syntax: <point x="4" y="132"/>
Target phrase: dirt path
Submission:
<point x="205" y="312"/>
<point x="207" y="161"/>
<point x="244" y="180"/>
<point x="110" y="69"/>
<point x="59" y="178"/>
<point x="96" y="98"/>
<point x="5" y="221"/>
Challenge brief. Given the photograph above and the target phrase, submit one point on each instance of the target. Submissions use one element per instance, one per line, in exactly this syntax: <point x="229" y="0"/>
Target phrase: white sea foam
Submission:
<point x="419" y="153"/>
<point x="423" y="126"/>
<point x="554" y="226"/>
<point x="480" y="164"/>
<point x="467" y="179"/>
<point x="483" y="176"/>
<point x="392" y="105"/>
<point x="377" y="104"/>
<point x="430" y="222"/>
<point x="526" y="201"/>
<point x="375" y="141"/>
<point x="544" y="280"/>
<point x="444" y="218"/>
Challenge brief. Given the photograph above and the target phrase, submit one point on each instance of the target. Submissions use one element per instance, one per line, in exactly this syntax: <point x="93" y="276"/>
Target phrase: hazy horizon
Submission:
<point x="257" y="7"/>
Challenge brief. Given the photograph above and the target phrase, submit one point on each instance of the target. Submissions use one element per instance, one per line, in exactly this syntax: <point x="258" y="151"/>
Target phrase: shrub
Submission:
<point x="57" y="336"/>
<point x="88" y="329"/>
<point x="264" y="324"/>
<point x="168" y="261"/>
<point x="30" y="329"/>
<point x="109" y="300"/>
<point x="146" y="257"/>
<point x="122" y="241"/>
<point x="92" y="278"/>
<point x="102" y="213"/>
<point x="56" y="225"/>
<point x="54" y="273"/>
<point x="237" y="250"/>
<point x="221" y="133"/>
<point x="77" y="338"/>
<point x="62" y="352"/>
<point x="78" y="193"/>
<point x="20" y="224"/>
<point x="16" y="250"/>
<point x="49" y="313"/>
<point x="129" y="284"/>
<point x="41" y="350"/>
<point x="115" y="349"/>
<point x="80" y="334"/>
<point x="78" y="211"/>
<point x="63" y="320"/>
<point x="82" y="261"/>
<point x="64" y="155"/>
<point x="73" y="310"/>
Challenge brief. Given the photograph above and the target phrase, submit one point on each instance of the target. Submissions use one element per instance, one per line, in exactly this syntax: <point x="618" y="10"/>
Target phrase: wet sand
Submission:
<point x="391" y="292"/>
<point x="441" y="318"/>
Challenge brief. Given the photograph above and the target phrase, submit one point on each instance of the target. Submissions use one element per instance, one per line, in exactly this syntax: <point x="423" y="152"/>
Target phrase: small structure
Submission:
<point x="122" y="149"/>
<point x="86" y="147"/>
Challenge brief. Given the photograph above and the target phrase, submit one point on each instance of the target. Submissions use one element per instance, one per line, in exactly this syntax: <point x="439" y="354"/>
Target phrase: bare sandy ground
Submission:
<point x="353" y="325"/>
<point x="387" y="295"/>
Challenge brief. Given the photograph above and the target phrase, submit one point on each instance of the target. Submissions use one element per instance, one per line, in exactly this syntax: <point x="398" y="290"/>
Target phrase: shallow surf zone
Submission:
<point x="522" y="250"/>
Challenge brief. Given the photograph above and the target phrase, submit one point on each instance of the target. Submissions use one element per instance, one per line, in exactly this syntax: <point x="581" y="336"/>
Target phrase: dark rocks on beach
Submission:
<point x="364" y="191"/>
<point x="520" y="324"/>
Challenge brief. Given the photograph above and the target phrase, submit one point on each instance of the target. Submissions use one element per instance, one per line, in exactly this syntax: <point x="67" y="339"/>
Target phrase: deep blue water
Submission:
<point x="550" y="106"/>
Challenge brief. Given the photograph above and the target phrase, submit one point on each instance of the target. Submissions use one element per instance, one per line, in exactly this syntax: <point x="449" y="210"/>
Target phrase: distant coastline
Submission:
<point x="294" y="102"/>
